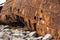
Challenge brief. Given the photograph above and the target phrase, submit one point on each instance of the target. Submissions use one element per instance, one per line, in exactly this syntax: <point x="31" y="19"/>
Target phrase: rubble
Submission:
<point x="47" y="37"/>
<point x="8" y="34"/>
<point x="1" y="34"/>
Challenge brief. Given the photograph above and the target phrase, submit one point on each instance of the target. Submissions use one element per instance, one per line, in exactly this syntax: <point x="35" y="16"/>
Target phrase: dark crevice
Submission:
<point x="1" y="8"/>
<point x="29" y="23"/>
<point x="41" y="18"/>
<point x="35" y="17"/>
<point x="20" y="21"/>
<point x="2" y="23"/>
<point x="41" y="11"/>
<point x="34" y="24"/>
<point x="18" y="10"/>
<point x="0" y="16"/>
<point x="17" y="24"/>
<point x="10" y="9"/>
<point x="7" y="17"/>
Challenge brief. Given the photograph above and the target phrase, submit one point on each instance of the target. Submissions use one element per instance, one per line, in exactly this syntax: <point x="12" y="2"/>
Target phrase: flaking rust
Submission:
<point x="42" y="16"/>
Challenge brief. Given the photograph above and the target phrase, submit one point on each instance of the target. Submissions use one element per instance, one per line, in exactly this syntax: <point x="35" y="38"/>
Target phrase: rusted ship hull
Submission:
<point x="43" y="16"/>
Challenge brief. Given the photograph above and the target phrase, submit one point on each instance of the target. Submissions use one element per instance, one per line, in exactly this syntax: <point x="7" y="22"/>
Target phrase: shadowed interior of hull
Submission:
<point x="1" y="8"/>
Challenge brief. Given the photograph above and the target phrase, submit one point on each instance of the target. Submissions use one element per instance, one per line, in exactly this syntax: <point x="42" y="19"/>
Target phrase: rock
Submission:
<point x="2" y="27"/>
<point x="47" y="37"/>
<point x="8" y="31"/>
<point x="40" y="37"/>
<point x="6" y="37"/>
<point x="16" y="33"/>
<point x="34" y="38"/>
<point x="1" y="34"/>
<point x="21" y="34"/>
<point x="1" y="39"/>
<point x="6" y="26"/>
<point x="31" y="34"/>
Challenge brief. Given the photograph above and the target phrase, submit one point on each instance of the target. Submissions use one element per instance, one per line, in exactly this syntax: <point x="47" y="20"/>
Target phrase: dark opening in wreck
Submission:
<point x="19" y="21"/>
<point x="1" y="8"/>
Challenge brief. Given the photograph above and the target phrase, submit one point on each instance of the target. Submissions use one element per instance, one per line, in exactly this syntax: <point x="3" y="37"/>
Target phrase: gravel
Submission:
<point x="8" y="34"/>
